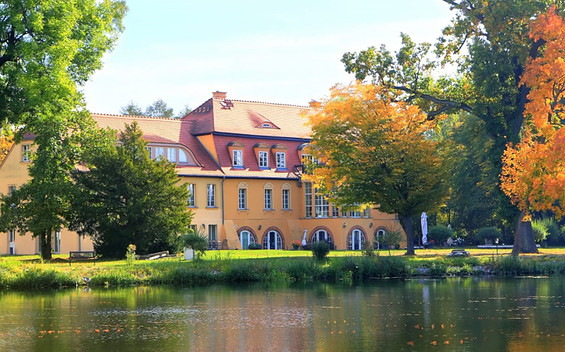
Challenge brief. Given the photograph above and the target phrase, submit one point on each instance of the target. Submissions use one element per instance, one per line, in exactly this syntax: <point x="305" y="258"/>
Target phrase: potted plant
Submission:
<point x="296" y="245"/>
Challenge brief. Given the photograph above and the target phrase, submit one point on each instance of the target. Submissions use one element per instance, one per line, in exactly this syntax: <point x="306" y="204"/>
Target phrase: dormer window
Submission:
<point x="281" y="160"/>
<point x="172" y="155"/>
<point x="279" y="153"/>
<point x="235" y="150"/>
<point x="237" y="158"/>
<point x="266" y="125"/>
<point x="262" y="154"/>
<point x="263" y="160"/>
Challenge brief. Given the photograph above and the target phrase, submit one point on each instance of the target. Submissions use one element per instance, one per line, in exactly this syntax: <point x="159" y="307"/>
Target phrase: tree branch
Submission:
<point x="446" y="105"/>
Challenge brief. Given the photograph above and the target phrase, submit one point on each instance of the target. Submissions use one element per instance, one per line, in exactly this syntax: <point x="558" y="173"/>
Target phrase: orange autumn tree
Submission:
<point x="6" y="142"/>
<point x="374" y="149"/>
<point x="533" y="174"/>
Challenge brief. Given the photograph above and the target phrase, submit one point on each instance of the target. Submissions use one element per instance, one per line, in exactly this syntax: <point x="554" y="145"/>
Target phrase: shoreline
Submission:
<point x="25" y="274"/>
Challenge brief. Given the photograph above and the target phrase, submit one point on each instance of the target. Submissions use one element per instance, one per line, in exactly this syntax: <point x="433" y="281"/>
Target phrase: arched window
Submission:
<point x="246" y="238"/>
<point x="322" y="235"/>
<point x="355" y="240"/>
<point x="273" y="240"/>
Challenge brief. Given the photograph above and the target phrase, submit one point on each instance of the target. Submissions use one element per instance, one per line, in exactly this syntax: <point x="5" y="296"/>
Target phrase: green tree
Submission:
<point x="495" y="34"/>
<point x="374" y="149"/>
<point x="131" y="109"/>
<point x="159" y="109"/>
<point x="40" y="205"/>
<point x="127" y="198"/>
<point x="47" y="49"/>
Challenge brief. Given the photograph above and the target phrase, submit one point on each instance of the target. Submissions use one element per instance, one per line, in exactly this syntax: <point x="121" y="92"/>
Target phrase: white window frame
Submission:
<point x="211" y="195"/>
<point x="237" y="158"/>
<point x="321" y="205"/>
<point x="159" y="152"/>
<point x="286" y="198"/>
<point x="264" y="159"/>
<point x="183" y="157"/>
<point x="308" y="199"/>
<point x="268" y="198"/>
<point x="191" y="200"/>
<point x="281" y="160"/>
<point x="25" y="153"/>
<point x="242" y="198"/>
<point x="172" y="155"/>
<point x="149" y="150"/>
<point x="212" y="232"/>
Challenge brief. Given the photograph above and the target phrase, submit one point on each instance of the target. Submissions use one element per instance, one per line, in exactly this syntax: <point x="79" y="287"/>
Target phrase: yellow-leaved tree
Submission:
<point x="533" y="174"/>
<point x="374" y="149"/>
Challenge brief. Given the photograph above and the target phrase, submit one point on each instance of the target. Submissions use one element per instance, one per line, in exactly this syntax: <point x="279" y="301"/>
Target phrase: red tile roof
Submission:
<point x="247" y="117"/>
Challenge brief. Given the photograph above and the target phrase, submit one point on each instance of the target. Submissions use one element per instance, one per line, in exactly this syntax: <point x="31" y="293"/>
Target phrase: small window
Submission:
<point x="149" y="150"/>
<point x="11" y="189"/>
<point x="263" y="160"/>
<point x="268" y="199"/>
<point x="286" y="199"/>
<point x="191" y="201"/>
<point x="335" y="211"/>
<point x="172" y="155"/>
<point x="25" y="153"/>
<point x="211" y="196"/>
<point x="242" y="198"/>
<point x="281" y="160"/>
<point x="237" y="158"/>
<point x="12" y="235"/>
<point x="308" y="199"/>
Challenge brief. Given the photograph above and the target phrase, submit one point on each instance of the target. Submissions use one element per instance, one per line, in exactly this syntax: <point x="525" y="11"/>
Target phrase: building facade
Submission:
<point x="241" y="162"/>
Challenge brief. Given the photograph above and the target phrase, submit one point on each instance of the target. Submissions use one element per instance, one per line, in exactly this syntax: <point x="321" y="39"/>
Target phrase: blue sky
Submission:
<point x="282" y="52"/>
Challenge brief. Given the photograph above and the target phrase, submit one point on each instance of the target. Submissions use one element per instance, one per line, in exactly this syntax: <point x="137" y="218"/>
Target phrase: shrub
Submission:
<point x="254" y="245"/>
<point x="440" y="234"/>
<point x="488" y="234"/>
<point x="390" y="239"/>
<point x="368" y="249"/>
<point x="540" y="229"/>
<point x="320" y="250"/>
<point x="195" y="241"/>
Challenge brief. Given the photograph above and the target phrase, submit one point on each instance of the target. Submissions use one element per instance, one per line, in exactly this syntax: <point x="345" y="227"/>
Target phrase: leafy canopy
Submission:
<point x="374" y="149"/>
<point x="127" y="198"/>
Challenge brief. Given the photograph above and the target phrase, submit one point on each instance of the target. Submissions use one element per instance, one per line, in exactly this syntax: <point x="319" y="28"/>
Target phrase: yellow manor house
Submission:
<point x="242" y="162"/>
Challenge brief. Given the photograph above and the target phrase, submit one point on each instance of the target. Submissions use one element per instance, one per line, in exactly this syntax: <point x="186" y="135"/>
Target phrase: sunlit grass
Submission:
<point x="272" y="265"/>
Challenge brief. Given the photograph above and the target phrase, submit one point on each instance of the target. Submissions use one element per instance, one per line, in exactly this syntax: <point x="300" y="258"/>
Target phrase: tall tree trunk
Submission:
<point x="524" y="239"/>
<point x="406" y="222"/>
<point x="45" y="240"/>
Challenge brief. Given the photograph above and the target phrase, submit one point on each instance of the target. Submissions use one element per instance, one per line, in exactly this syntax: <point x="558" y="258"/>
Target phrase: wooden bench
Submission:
<point x="82" y="256"/>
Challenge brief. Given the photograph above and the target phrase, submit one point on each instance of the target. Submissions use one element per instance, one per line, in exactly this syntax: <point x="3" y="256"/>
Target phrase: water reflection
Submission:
<point x="388" y="315"/>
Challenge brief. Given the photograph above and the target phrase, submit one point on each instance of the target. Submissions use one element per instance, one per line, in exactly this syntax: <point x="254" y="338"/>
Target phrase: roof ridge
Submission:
<point x="135" y="116"/>
<point x="266" y="102"/>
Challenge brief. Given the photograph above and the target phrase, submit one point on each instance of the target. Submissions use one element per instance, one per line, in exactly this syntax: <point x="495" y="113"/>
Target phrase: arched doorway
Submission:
<point x="273" y="240"/>
<point x="355" y="240"/>
<point x="322" y="235"/>
<point x="246" y="238"/>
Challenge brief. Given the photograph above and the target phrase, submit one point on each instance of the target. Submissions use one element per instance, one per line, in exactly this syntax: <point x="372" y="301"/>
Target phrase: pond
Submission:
<point x="460" y="314"/>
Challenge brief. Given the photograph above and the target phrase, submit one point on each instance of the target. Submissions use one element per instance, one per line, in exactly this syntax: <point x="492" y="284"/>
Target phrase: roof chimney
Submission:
<point x="219" y="95"/>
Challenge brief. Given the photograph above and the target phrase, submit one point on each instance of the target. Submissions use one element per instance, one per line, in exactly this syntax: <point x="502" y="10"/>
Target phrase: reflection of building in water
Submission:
<point x="242" y="162"/>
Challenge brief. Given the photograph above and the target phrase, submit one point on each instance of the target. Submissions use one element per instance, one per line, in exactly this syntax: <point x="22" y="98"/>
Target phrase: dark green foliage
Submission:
<point x="195" y="241"/>
<point x="127" y="198"/>
<point x="488" y="234"/>
<point x="320" y="250"/>
<point x="440" y="234"/>
<point x="368" y="249"/>
<point x="254" y="245"/>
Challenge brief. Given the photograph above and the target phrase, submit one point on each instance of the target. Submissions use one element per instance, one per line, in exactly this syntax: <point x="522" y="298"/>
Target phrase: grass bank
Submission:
<point x="29" y="272"/>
